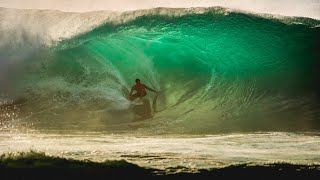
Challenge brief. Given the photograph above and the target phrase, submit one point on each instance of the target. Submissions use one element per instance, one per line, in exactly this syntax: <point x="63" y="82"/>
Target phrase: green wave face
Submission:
<point x="216" y="73"/>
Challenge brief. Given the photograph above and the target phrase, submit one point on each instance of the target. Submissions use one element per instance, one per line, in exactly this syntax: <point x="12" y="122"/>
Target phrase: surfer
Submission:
<point x="141" y="90"/>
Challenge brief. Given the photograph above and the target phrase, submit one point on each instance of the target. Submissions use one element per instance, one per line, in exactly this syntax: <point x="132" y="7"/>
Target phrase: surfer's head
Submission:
<point x="138" y="81"/>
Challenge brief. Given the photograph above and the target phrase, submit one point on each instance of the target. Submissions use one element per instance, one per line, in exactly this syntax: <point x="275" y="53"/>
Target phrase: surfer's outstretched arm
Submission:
<point x="150" y="89"/>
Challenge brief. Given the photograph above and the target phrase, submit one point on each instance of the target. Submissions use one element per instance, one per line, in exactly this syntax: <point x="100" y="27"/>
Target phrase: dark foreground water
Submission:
<point x="33" y="165"/>
<point x="185" y="153"/>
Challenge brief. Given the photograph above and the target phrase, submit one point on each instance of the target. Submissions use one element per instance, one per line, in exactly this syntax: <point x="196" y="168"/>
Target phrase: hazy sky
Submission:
<point x="309" y="8"/>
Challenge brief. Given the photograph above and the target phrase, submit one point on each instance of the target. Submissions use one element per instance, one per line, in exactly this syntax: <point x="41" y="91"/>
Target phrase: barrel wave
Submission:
<point x="217" y="72"/>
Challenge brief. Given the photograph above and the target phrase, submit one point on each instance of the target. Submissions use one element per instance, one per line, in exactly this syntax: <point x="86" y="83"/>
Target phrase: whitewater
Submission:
<point x="235" y="84"/>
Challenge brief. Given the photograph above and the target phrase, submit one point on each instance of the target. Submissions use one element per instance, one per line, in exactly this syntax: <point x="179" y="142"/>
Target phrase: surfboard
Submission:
<point x="136" y="102"/>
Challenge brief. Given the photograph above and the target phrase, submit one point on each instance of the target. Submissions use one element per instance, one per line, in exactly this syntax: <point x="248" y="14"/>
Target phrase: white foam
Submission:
<point x="301" y="8"/>
<point x="194" y="152"/>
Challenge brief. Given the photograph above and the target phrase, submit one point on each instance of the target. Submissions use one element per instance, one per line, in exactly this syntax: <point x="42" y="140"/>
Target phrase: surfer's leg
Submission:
<point x="142" y="95"/>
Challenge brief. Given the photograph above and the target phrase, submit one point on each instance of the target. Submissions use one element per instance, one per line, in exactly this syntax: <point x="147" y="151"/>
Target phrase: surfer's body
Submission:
<point x="140" y="90"/>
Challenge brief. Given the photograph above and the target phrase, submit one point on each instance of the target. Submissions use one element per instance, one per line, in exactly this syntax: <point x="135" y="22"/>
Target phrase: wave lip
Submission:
<point x="51" y="26"/>
<point x="306" y="8"/>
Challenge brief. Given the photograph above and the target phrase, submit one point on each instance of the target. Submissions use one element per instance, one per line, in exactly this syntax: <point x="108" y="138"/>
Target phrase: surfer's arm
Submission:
<point x="150" y="89"/>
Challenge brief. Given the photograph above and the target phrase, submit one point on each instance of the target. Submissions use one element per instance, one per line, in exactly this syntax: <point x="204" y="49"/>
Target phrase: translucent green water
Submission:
<point x="217" y="72"/>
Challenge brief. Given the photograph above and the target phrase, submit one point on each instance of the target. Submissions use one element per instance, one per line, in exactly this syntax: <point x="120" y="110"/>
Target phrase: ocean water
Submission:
<point x="183" y="153"/>
<point x="234" y="86"/>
